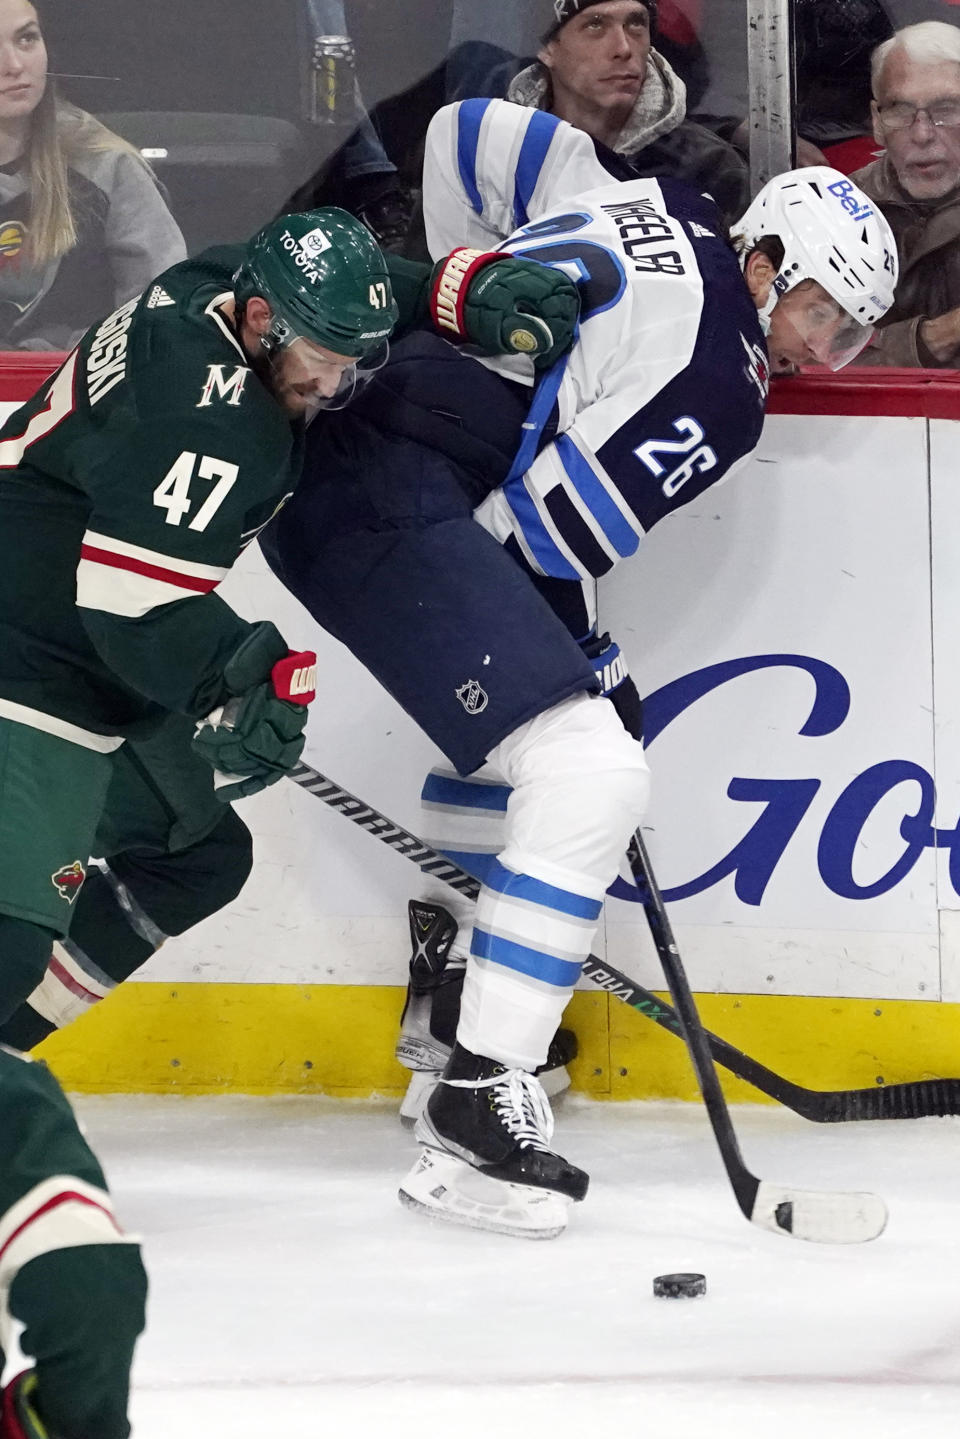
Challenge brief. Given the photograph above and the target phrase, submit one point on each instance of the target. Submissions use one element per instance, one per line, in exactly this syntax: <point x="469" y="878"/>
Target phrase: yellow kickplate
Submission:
<point x="339" y="1039"/>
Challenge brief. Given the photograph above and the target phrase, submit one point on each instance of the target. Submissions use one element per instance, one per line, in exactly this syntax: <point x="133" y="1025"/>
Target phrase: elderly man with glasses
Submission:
<point x="916" y="184"/>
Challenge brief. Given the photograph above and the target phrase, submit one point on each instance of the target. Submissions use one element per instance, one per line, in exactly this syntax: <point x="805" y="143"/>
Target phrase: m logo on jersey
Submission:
<point x="472" y="697"/>
<point x="223" y="387"/>
<point x="68" y="880"/>
<point x="757" y="368"/>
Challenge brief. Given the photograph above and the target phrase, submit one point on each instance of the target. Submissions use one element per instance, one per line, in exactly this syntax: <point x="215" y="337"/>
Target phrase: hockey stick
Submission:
<point x="916" y="1099"/>
<point x="820" y="1215"/>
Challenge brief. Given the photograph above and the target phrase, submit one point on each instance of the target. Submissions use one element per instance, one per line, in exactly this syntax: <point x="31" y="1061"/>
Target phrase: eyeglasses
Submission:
<point x="901" y="115"/>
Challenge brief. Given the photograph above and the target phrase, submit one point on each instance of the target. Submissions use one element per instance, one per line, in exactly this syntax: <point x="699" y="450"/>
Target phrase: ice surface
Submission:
<point x="293" y="1296"/>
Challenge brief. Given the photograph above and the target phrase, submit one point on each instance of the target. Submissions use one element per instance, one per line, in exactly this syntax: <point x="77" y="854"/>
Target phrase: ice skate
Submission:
<point x="487" y="1161"/>
<point x="428" y="1026"/>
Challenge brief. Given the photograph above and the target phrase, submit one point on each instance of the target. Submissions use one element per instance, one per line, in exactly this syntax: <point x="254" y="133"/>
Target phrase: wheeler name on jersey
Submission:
<point x="640" y="225"/>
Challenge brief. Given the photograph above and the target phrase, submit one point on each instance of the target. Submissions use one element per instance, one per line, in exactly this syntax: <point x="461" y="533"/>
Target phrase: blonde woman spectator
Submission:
<point x="83" y="225"/>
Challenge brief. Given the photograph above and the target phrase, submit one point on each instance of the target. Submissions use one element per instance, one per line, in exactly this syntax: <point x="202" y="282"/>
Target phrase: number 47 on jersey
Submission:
<point x="173" y="492"/>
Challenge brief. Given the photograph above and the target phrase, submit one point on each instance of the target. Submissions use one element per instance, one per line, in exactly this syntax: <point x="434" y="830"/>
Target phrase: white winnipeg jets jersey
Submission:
<point x="663" y="393"/>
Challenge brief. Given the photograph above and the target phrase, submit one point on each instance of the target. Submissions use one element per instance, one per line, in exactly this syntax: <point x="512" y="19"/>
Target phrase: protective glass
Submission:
<point x="901" y="115"/>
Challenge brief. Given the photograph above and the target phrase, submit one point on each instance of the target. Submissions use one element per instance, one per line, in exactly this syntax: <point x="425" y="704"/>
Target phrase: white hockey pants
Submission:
<point x="575" y="786"/>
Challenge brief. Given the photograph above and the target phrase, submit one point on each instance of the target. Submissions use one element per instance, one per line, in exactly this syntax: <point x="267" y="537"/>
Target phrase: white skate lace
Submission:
<point x="520" y="1104"/>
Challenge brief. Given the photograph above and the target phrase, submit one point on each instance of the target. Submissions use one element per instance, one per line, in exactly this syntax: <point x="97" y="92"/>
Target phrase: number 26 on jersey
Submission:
<point x="697" y="456"/>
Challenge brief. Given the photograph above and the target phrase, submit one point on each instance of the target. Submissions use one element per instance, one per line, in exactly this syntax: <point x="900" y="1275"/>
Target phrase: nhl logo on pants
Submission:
<point x="472" y="697"/>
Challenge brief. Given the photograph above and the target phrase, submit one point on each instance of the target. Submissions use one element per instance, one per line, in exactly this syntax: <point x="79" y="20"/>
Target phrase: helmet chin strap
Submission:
<point x="765" y="311"/>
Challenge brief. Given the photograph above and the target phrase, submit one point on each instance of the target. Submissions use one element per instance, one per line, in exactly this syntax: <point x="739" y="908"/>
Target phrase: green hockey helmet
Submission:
<point x="325" y="279"/>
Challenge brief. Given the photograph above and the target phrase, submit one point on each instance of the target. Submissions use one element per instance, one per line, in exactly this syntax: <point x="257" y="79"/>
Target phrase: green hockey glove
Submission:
<point x="82" y="1309"/>
<point x="256" y="738"/>
<point x="505" y="305"/>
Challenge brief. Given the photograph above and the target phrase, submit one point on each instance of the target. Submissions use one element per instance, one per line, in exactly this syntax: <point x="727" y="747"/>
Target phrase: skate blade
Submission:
<point x="444" y="1187"/>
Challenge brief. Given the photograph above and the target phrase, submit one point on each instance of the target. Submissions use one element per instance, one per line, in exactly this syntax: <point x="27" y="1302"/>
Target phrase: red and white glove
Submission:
<point x="450" y="283"/>
<point x="257" y="737"/>
<point x="505" y="304"/>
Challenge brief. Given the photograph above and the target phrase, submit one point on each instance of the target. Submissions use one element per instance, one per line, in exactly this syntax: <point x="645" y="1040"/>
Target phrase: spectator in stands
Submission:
<point x="369" y="186"/>
<point x="476" y="66"/>
<point x="83" y="225"/>
<point x="597" y="68"/>
<point x="916" y="184"/>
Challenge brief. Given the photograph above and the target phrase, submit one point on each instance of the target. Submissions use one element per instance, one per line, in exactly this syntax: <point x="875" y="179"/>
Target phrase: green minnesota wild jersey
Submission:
<point x="52" y="1191"/>
<point x="129" y="485"/>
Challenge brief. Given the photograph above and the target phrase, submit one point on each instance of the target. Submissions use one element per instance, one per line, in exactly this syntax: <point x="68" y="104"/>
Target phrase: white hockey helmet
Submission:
<point x="832" y="233"/>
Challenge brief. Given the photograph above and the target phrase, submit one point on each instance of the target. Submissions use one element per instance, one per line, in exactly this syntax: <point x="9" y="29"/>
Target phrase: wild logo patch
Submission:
<point x="472" y="697"/>
<point x="69" y="880"/>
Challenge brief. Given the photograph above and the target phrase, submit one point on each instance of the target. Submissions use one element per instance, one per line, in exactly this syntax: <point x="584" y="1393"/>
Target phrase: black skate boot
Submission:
<point x="428" y="1026"/>
<point x="488" y="1163"/>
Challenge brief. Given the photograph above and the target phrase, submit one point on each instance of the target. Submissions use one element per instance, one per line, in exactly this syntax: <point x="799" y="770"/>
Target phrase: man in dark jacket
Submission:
<point x="598" y="69"/>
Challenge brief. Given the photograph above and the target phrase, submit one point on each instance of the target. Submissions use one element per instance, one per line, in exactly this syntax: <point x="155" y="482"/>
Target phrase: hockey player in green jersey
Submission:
<point x="68" y="1273"/>
<point x="133" y="701"/>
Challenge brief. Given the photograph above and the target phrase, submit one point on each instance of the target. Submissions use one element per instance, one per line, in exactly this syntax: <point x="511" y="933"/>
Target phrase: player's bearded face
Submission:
<point x="303" y="374"/>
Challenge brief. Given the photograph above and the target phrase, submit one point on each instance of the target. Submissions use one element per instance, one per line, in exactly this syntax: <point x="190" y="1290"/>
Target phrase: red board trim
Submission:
<point x="926" y="394"/>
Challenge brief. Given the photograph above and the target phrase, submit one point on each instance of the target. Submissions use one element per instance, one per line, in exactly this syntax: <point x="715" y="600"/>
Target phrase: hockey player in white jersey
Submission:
<point x="661" y="396"/>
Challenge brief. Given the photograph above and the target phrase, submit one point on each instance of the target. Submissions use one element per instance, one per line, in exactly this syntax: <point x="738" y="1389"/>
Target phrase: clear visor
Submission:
<point x="826" y="333"/>
<point x="351" y="377"/>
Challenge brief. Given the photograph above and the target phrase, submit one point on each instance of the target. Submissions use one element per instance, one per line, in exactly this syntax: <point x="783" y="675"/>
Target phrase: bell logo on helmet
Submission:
<point x="846" y="193"/>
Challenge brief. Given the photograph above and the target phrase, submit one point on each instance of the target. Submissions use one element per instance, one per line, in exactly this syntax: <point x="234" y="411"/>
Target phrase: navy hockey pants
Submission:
<point x="379" y="544"/>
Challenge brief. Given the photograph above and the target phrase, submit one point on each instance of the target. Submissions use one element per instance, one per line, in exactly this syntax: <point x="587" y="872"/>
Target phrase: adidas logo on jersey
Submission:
<point x="700" y="232"/>
<point x="159" y="298"/>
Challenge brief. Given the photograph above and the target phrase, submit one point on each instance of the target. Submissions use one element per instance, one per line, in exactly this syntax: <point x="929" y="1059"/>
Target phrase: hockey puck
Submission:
<point x="679" y="1286"/>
